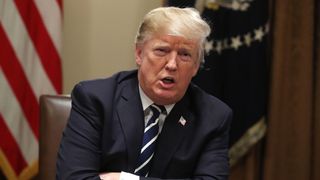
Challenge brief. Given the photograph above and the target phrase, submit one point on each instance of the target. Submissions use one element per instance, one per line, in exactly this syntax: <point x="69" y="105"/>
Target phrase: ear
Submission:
<point x="138" y="54"/>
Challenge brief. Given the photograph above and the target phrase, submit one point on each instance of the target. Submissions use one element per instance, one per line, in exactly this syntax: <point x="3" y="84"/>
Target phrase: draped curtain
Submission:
<point x="291" y="150"/>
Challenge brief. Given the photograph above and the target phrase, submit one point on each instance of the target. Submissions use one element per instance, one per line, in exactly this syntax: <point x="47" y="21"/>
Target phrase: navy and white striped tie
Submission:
<point x="151" y="133"/>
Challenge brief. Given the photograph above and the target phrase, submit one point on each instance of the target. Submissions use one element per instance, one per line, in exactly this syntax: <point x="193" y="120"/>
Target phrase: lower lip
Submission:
<point x="167" y="85"/>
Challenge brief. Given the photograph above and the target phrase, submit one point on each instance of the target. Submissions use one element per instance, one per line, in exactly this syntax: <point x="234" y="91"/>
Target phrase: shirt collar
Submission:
<point x="146" y="101"/>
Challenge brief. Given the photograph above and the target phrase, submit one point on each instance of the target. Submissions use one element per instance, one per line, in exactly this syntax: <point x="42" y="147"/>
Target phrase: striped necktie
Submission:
<point x="151" y="133"/>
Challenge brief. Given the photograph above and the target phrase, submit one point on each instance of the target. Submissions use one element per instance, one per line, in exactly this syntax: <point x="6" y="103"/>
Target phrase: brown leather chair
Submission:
<point x="54" y="112"/>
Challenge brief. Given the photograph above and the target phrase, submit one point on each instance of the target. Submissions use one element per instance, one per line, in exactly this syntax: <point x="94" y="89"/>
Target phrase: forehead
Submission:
<point x="173" y="40"/>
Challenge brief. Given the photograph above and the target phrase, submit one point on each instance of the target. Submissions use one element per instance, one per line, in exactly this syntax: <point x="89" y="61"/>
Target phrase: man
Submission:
<point x="151" y="123"/>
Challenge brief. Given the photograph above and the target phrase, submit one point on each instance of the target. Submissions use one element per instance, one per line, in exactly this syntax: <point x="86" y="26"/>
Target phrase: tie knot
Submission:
<point x="158" y="109"/>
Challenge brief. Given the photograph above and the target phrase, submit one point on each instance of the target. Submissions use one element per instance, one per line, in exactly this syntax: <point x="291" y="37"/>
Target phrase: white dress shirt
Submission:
<point x="146" y="102"/>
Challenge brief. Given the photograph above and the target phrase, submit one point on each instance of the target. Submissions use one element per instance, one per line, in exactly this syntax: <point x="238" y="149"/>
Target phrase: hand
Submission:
<point x="110" y="176"/>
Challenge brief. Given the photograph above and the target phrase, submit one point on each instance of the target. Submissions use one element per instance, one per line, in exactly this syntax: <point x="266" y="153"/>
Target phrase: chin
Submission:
<point x="169" y="99"/>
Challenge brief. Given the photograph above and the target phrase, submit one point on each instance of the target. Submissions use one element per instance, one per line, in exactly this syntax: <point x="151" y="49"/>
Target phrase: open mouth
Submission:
<point x="168" y="80"/>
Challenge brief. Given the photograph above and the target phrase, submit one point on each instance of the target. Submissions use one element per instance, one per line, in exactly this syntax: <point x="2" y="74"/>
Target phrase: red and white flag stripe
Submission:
<point x="30" y="65"/>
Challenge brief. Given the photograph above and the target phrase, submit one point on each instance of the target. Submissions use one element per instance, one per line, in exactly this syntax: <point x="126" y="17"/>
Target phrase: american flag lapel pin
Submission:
<point x="182" y="121"/>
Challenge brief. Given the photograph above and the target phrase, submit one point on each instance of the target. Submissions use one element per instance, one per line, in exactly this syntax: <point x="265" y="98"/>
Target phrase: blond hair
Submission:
<point x="185" y="22"/>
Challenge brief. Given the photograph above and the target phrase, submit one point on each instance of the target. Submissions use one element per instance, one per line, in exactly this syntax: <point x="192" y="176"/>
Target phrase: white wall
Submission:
<point x="98" y="37"/>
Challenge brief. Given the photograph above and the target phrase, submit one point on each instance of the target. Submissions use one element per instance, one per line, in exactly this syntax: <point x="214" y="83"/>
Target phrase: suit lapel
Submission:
<point x="131" y="118"/>
<point x="173" y="132"/>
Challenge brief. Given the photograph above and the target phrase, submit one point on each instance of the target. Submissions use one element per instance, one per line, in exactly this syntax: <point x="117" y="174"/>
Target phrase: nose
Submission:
<point x="172" y="62"/>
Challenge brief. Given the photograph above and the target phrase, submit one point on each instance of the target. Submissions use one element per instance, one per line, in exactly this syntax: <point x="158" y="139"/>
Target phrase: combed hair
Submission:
<point x="185" y="22"/>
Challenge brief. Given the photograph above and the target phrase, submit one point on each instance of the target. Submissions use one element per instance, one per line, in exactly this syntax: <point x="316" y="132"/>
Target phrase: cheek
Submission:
<point x="195" y="69"/>
<point x="187" y="79"/>
<point x="190" y="70"/>
<point x="148" y="72"/>
<point x="187" y="76"/>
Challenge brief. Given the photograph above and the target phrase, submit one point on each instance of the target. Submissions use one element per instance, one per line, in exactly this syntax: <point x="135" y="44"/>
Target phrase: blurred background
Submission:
<point x="262" y="59"/>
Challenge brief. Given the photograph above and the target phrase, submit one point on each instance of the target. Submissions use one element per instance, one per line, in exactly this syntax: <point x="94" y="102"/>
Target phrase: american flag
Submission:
<point x="30" y="65"/>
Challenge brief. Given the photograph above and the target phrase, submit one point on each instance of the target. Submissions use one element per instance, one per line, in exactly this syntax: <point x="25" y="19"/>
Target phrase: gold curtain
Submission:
<point x="249" y="167"/>
<point x="292" y="148"/>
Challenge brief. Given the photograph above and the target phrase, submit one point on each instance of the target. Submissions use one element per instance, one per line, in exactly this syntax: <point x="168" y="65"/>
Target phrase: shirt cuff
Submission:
<point x="128" y="176"/>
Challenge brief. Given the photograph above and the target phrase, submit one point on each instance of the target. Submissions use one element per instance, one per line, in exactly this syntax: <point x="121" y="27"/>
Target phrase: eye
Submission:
<point x="185" y="55"/>
<point x="160" y="51"/>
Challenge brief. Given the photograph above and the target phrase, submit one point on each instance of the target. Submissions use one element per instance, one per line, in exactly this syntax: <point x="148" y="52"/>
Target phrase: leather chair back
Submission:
<point x="54" y="113"/>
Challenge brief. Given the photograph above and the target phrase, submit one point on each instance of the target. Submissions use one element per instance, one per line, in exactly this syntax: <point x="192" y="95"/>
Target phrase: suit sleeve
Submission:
<point x="213" y="162"/>
<point x="80" y="149"/>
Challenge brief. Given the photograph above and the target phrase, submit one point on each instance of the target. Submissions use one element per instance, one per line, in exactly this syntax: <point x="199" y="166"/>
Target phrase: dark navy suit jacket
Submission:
<point x="105" y="129"/>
